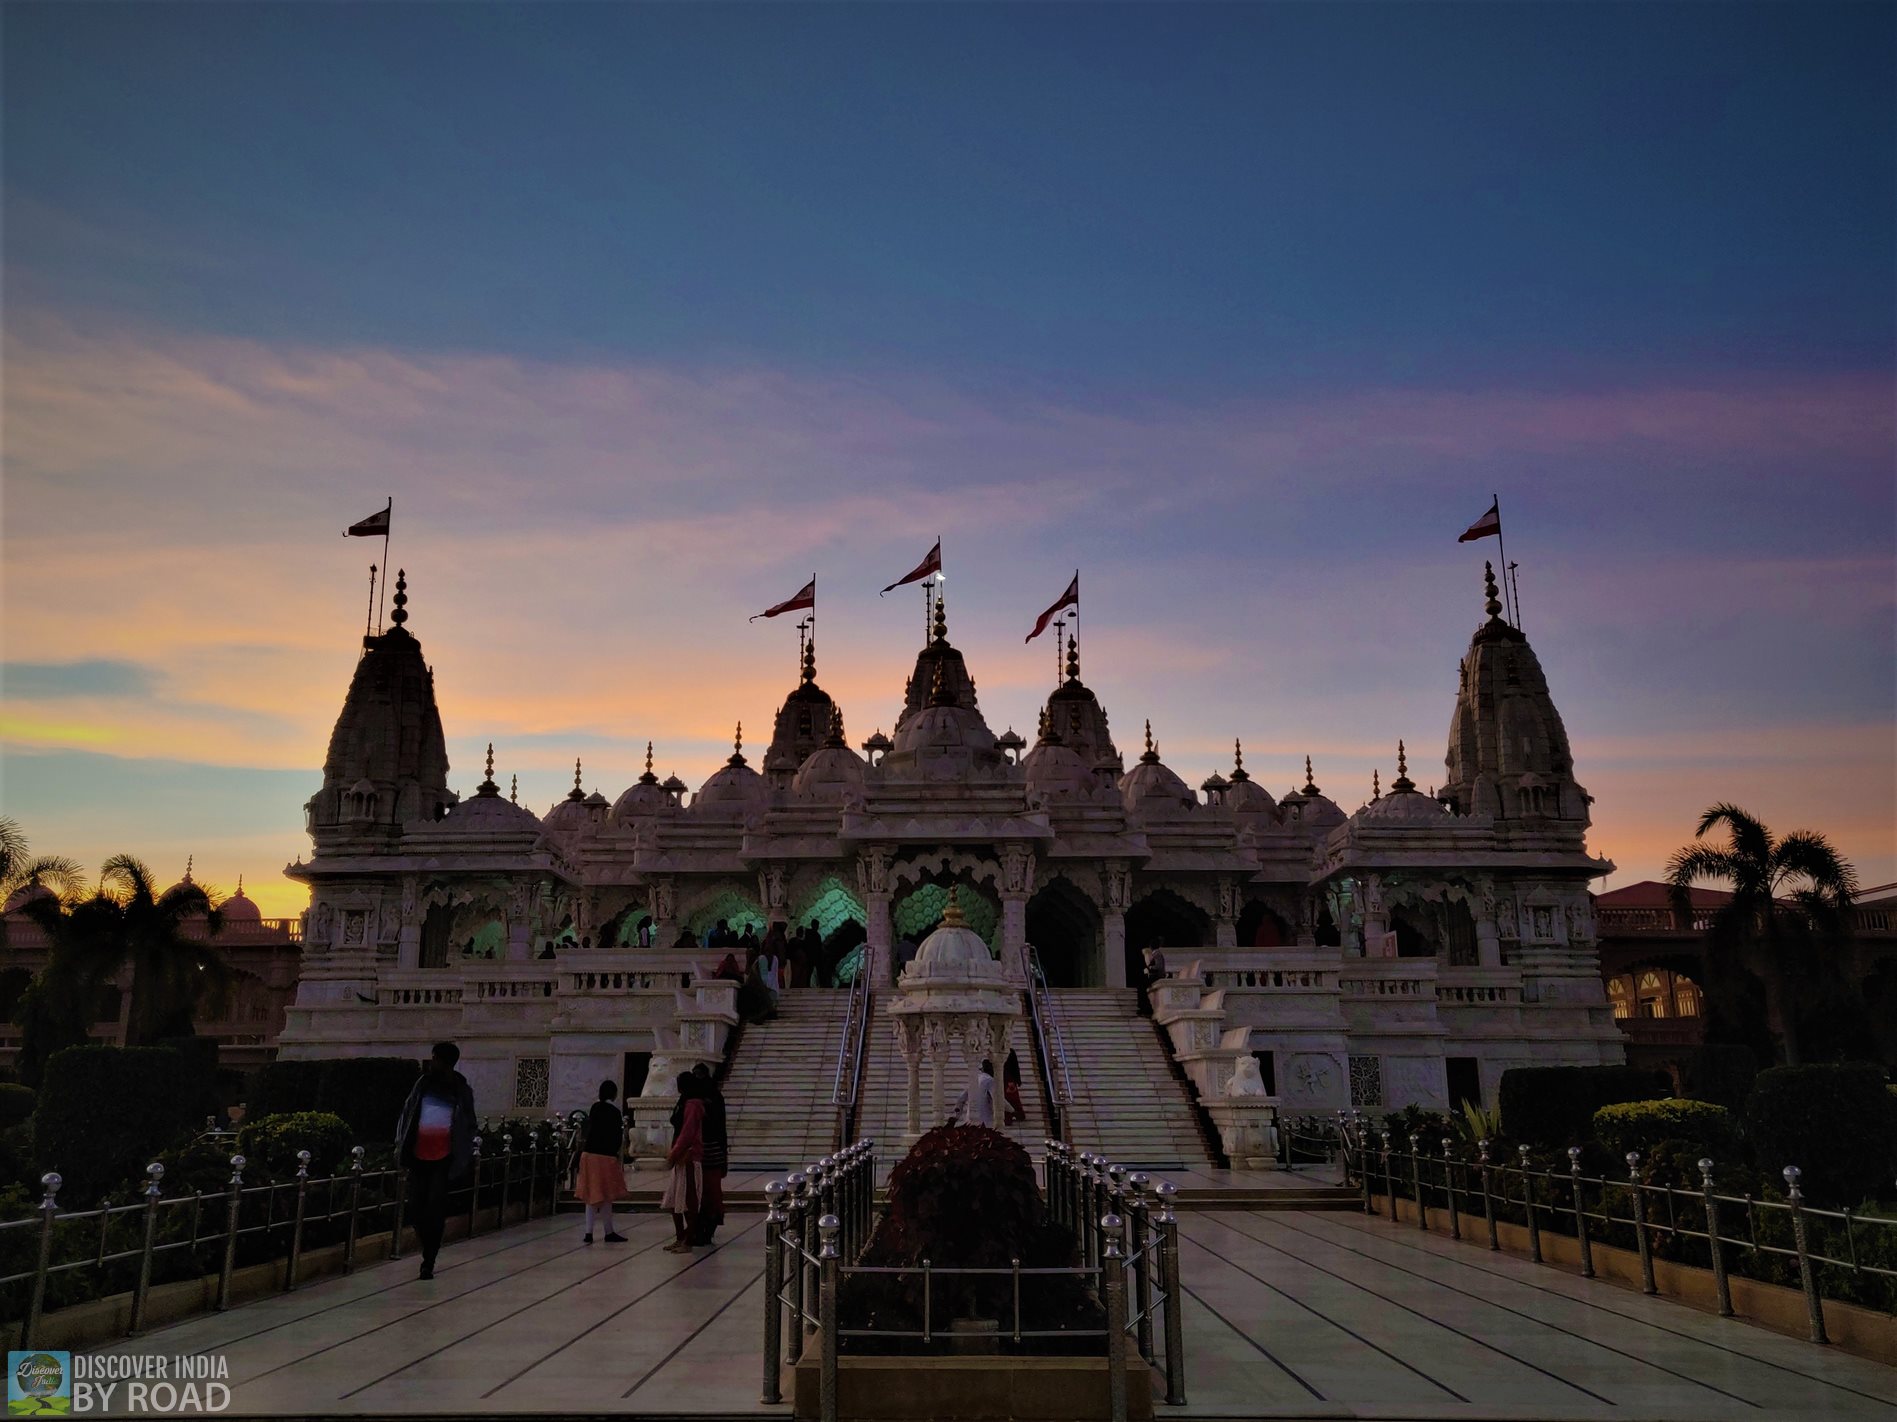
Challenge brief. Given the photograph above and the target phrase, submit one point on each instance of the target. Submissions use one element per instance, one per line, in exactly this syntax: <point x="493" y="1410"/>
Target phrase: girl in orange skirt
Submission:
<point x="602" y="1176"/>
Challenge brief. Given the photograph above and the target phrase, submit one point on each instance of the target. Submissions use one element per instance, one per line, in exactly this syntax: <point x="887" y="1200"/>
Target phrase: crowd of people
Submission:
<point x="764" y="967"/>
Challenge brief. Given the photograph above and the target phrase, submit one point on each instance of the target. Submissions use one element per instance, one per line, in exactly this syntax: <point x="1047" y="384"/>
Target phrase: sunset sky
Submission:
<point x="643" y="315"/>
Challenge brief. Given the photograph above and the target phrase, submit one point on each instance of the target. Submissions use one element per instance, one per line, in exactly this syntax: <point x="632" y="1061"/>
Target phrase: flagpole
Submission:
<point x="368" y="618"/>
<point x="1501" y="555"/>
<point x="1076" y="611"/>
<point x="1516" y="577"/>
<point x="1060" y="642"/>
<point x="388" y="519"/>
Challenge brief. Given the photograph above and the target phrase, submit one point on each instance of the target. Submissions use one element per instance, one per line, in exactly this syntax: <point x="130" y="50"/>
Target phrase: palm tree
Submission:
<point x="1788" y="895"/>
<point x="18" y="868"/>
<point x="125" y="925"/>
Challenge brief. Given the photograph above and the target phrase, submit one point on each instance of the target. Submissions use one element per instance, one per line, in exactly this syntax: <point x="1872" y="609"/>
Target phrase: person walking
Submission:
<point x="602" y="1173"/>
<point x="1011" y="1088"/>
<point x="685" y="1186"/>
<point x="981" y="1104"/>
<point x="717" y="1155"/>
<point x="434" y="1139"/>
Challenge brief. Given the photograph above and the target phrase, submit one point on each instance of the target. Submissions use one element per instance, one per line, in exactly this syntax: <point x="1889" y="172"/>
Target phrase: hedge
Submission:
<point x="16" y="1104"/>
<point x="1722" y="1073"/>
<point x="1554" y="1106"/>
<point x="103" y="1112"/>
<point x="1643" y="1125"/>
<point x="1835" y="1122"/>
<point x="367" y="1092"/>
<point x="271" y="1143"/>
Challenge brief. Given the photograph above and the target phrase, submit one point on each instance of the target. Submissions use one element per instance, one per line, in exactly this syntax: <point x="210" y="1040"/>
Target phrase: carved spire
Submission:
<point x="240" y="885"/>
<point x="1151" y="755"/>
<point x="400" y="615"/>
<point x="810" y="659"/>
<point x="737" y="747"/>
<point x="648" y="778"/>
<point x="487" y="786"/>
<point x="1310" y="786"/>
<point x="1073" y="658"/>
<point x="836" y="727"/>
<point x="941" y="614"/>
<point x="576" y="793"/>
<point x="1376" y="787"/>
<point x="189" y="860"/>
<point x="513" y="790"/>
<point x="1493" y="604"/>
<point x="1238" y="761"/>
<point x="952" y="912"/>
<point x="1403" y="785"/>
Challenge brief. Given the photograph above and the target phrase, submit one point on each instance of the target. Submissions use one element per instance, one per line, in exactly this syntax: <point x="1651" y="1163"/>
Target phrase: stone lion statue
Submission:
<point x="1247" y="1080"/>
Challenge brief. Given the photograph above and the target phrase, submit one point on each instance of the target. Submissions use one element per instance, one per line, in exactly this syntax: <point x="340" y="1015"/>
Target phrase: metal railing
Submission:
<point x="1050" y="1044"/>
<point x="1126" y="1236"/>
<point x="849" y="1070"/>
<point x="122" y="1247"/>
<point x="1829" y="1255"/>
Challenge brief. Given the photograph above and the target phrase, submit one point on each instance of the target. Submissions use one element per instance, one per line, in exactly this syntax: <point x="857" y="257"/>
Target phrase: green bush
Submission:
<point x="271" y="1143"/>
<point x="1432" y="1126"/>
<point x="1835" y="1122"/>
<point x="1555" y="1106"/>
<point x="283" y="1087"/>
<point x="368" y="1093"/>
<point x="16" y="1104"/>
<point x="200" y="1065"/>
<point x="1722" y="1073"/>
<point x="1642" y="1125"/>
<point x="103" y="1112"/>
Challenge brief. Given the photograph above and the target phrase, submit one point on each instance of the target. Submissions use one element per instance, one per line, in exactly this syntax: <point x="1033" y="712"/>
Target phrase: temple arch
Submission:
<point x="1261" y="926"/>
<point x="1064" y="925"/>
<point x="1168" y="918"/>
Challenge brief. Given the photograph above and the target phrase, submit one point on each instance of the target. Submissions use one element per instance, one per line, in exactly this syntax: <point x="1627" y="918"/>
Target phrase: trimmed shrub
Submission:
<point x="16" y="1103"/>
<point x="1642" y="1125"/>
<point x="368" y="1093"/>
<point x="1834" y="1122"/>
<point x="103" y="1112"/>
<point x="272" y="1142"/>
<point x="1722" y="1073"/>
<point x="284" y="1087"/>
<point x="1555" y="1106"/>
<point x="200" y="1066"/>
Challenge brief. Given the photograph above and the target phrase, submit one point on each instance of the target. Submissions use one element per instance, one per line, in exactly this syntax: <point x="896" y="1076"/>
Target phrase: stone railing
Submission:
<point x="1421" y="986"/>
<point x="582" y="980"/>
<point x="418" y="996"/>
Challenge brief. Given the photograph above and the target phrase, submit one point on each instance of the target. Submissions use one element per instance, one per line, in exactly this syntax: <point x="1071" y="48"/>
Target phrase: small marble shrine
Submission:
<point x="1408" y="953"/>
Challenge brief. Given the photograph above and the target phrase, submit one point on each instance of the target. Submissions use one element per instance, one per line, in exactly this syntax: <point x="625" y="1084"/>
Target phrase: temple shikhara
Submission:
<point x="1317" y="959"/>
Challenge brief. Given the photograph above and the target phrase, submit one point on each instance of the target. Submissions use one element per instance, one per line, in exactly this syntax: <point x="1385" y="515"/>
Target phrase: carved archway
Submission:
<point x="1260" y="925"/>
<point x="1064" y="925"/>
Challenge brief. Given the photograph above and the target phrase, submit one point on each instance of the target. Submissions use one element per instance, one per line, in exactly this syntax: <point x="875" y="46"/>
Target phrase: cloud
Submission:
<point x="31" y="681"/>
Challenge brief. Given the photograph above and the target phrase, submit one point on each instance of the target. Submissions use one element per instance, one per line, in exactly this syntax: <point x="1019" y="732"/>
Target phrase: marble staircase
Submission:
<point x="777" y="1091"/>
<point x="1128" y="1105"/>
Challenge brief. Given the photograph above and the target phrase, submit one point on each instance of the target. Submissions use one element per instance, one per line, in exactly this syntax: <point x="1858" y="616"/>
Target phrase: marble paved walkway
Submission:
<point x="1289" y="1314"/>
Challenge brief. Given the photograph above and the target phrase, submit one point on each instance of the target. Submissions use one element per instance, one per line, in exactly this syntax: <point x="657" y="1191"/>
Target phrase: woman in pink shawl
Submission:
<point x="685" y="1186"/>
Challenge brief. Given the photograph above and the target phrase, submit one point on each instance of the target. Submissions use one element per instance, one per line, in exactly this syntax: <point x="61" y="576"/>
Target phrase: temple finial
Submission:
<point x="400" y="615"/>
<point x="487" y="785"/>
<point x="1493" y="605"/>
<point x="1402" y="784"/>
<point x="1376" y="787"/>
<point x="810" y="659"/>
<point x="737" y="746"/>
<point x="240" y="883"/>
<point x="836" y="725"/>
<point x="1238" y="760"/>
<point x="1310" y="785"/>
<point x="189" y="860"/>
<point x="952" y="911"/>
<point x="513" y="790"/>
<point x="1151" y="755"/>
<point x="941" y="614"/>
<point x="576" y="793"/>
<point x="1073" y="658"/>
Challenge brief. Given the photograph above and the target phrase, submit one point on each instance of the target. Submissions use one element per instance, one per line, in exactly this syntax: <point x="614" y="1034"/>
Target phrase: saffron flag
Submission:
<point x="806" y="598"/>
<point x="376" y="525"/>
<point x="1070" y="598"/>
<point x="928" y="567"/>
<point x="1489" y="525"/>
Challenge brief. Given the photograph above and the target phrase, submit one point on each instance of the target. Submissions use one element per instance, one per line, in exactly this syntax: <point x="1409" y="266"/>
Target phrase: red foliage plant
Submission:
<point x="965" y="1196"/>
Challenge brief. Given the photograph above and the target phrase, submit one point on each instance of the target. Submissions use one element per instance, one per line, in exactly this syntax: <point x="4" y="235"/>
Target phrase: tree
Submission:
<point x="18" y="868"/>
<point x="1791" y="901"/>
<point x="127" y="925"/>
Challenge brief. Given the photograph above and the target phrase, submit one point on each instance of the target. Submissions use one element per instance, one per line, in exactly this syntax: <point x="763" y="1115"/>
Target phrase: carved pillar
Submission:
<point x="977" y="1047"/>
<point x="1488" y="939"/>
<point x="872" y="880"/>
<point x="1378" y="941"/>
<point x="1307" y="920"/>
<point x="408" y="949"/>
<point x="1118" y="881"/>
<point x="909" y="1043"/>
<point x="936" y="1035"/>
<point x="1017" y="884"/>
<point x="1225" y="925"/>
<point x="519" y="925"/>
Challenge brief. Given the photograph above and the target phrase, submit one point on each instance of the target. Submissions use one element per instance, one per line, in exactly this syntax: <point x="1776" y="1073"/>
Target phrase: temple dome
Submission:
<point x="1057" y="770"/>
<point x="1404" y="804"/>
<point x="1151" y="787"/>
<point x="240" y="908"/>
<point x="1310" y="808"/>
<point x="644" y="797"/>
<point x="735" y="790"/>
<point x="1245" y="796"/>
<point x="954" y="952"/>
<point x="487" y="811"/>
<point x="27" y="893"/>
<point x="569" y="816"/>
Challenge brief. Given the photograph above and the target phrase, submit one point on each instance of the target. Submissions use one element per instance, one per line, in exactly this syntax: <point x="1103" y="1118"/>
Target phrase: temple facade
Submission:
<point x="1406" y="953"/>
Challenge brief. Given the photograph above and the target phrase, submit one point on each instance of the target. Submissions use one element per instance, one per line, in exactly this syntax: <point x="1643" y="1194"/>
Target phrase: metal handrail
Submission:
<point x="849" y="1068"/>
<point x="1050" y="1044"/>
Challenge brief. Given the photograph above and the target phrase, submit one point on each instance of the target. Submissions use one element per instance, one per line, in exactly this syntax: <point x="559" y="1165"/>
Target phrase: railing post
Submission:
<point x="1360" y="1144"/>
<point x="1640" y="1223"/>
<point x="1528" y="1207"/>
<point x="1449" y="1188"/>
<point x="355" y="1208"/>
<point x="1416" y="1180"/>
<point x="1050" y="1164"/>
<point x="474" y="1188"/>
<point x="401" y="1209"/>
<point x="232" y="1212"/>
<point x="49" y="1207"/>
<point x="1389" y="1180"/>
<point x="773" y="1287"/>
<point x="1168" y="1224"/>
<point x="533" y="1169"/>
<point x="1113" y="1288"/>
<point x="293" y="1265"/>
<point x="799" y="1213"/>
<point x="827" y="1280"/>
<point x="1580" y="1213"/>
<point x="1143" y="1261"/>
<point x="1814" y="1304"/>
<point x="1488" y="1194"/>
<point x="153" y="1174"/>
<point x="1721" y="1285"/>
<point x="507" y="1174"/>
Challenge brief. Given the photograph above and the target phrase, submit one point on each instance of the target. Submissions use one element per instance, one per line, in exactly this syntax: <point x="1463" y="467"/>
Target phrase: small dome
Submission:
<point x="1404" y="804"/>
<point x="953" y="952"/>
<point x="566" y="817"/>
<point x="27" y="893"/>
<point x="1150" y="787"/>
<point x="488" y="812"/>
<point x="187" y="882"/>
<point x="1215" y="786"/>
<point x="829" y="772"/>
<point x="240" y="908"/>
<point x="645" y="796"/>
<point x="1248" y="797"/>
<point x="734" y="790"/>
